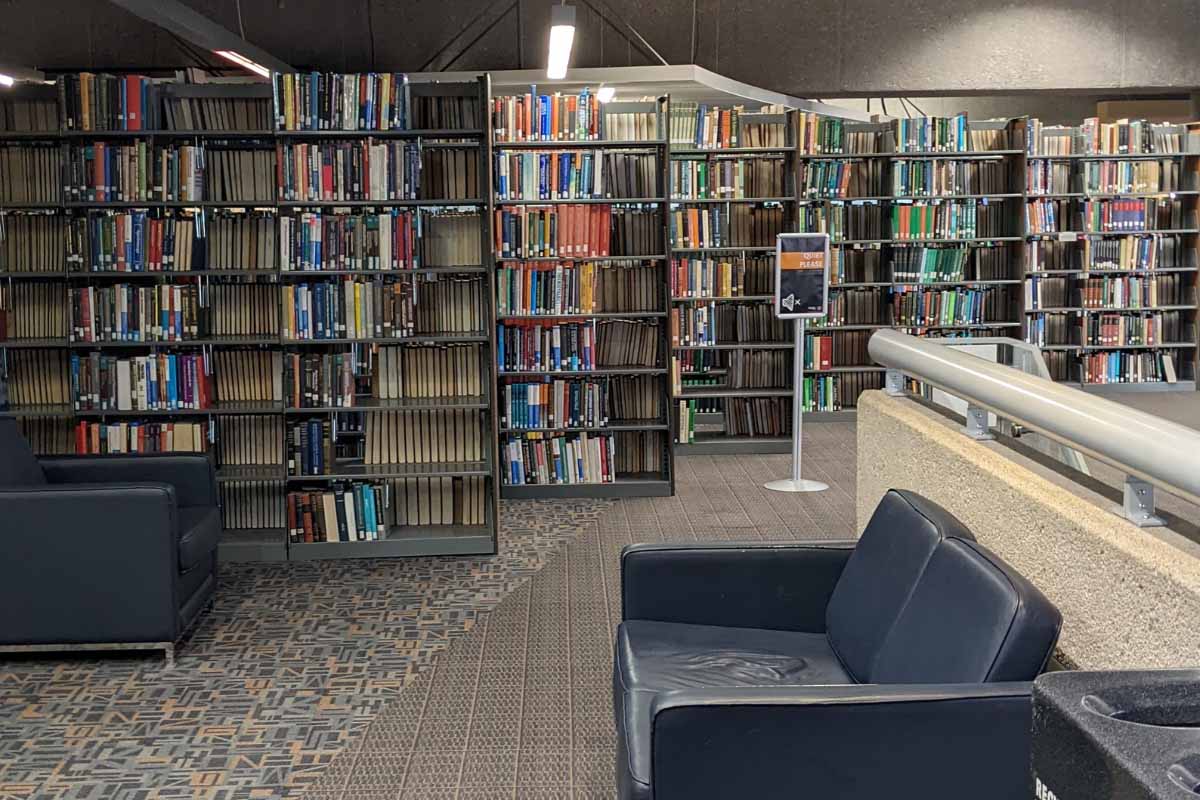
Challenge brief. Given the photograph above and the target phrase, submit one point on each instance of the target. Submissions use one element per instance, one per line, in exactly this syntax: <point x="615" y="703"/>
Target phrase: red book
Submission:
<point x="133" y="103"/>
<point x="826" y="352"/>
<point x="81" y="438"/>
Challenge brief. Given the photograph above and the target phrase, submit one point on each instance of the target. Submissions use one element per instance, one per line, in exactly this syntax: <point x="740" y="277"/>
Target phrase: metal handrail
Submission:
<point x="1151" y="451"/>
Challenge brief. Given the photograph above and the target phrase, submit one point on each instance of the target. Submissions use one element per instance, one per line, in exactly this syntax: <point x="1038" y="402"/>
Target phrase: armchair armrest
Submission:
<point x="89" y="563"/>
<point x="780" y="585"/>
<point x="191" y="475"/>
<point x="843" y="741"/>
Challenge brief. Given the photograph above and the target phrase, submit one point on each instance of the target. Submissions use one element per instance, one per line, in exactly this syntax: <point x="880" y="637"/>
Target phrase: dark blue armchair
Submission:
<point x="898" y="666"/>
<point x="103" y="552"/>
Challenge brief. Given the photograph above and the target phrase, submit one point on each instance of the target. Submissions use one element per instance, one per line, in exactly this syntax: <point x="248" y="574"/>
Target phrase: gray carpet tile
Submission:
<point x="522" y="706"/>
<point x="287" y="670"/>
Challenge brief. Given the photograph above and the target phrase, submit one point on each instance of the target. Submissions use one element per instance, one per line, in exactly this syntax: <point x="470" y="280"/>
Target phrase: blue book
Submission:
<point x="368" y="504"/>
<point x="500" y="347"/>
<point x="152" y="382"/>
<point x="318" y="310"/>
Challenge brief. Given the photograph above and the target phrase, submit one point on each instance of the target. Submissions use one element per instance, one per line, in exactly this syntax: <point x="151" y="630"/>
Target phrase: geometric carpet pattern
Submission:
<point x="522" y="706"/>
<point x="474" y="677"/>
<point x="288" y="669"/>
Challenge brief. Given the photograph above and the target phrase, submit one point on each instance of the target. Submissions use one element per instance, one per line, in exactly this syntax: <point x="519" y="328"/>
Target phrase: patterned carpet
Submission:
<point x="289" y="668"/>
<point x="315" y="679"/>
<point x="521" y="708"/>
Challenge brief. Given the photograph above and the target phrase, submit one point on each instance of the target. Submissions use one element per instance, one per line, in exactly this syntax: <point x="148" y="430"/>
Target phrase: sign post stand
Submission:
<point x="801" y="292"/>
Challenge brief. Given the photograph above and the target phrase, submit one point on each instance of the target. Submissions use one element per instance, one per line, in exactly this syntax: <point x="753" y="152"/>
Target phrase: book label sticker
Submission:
<point x="801" y="275"/>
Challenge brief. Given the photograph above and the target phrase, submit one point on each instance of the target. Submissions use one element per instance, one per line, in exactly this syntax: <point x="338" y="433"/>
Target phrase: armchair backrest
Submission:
<point x="920" y="601"/>
<point x="881" y="575"/>
<point x="971" y="619"/>
<point x="18" y="465"/>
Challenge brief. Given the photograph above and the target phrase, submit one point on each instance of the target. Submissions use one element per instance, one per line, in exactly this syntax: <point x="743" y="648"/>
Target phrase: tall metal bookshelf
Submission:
<point x="657" y="482"/>
<point x="272" y="543"/>
<point x="707" y="416"/>
<point x="1068" y="349"/>
<point x="891" y="243"/>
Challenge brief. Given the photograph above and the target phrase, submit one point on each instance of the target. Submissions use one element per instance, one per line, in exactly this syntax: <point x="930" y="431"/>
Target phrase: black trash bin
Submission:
<point x="1117" y="735"/>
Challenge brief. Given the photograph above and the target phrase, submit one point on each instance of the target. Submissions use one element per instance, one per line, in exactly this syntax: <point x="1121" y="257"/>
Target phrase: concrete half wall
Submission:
<point x="1130" y="598"/>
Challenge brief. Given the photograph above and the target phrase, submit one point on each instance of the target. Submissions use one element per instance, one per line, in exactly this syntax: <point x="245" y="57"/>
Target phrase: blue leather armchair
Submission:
<point x="103" y="551"/>
<point x="898" y="666"/>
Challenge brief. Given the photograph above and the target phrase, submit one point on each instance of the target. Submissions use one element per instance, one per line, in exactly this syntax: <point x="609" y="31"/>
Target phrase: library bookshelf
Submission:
<point x="581" y="245"/>
<point x="1111" y="254"/>
<point x="426" y="455"/>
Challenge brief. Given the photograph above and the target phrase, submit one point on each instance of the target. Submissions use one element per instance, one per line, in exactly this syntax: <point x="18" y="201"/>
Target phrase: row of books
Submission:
<point x="131" y="313"/>
<point x="576" y="346"/>
<point x="32" y="243"/>
<point x="247" y="505"/>
<point x="1117" y="330"/>
<point x="216" y="114"/>
<point x="340" y="513"/>
<point x="112" y="172"/>
<point x="313" y="101"/>
<point x="37" y="378"/>
<point x="580" y="403"/>
<point x="740" y="225"/>
<point x="554" y="460"/>
<point x="422" y="437"/>
<point x="1107" y="216"/>
<point x="930" y="178"/>
<point x="28" y="115"/>
<point x="859" y="307"/>
<point x="1145" y="252"/>
<point x="574" y="174"/>
<point x="823" y="351"/>
<point x="31" y="173"/>
<point x="1094" y="137"/>
<point x="102" y="102"/>
<point x="1120" y="367"/>
<point x="936" y="219"/>
<point x="425" y="372"/>
<point x="702" y="324"/>
<point x="160" y="382"/>
<point x="364" y="309"/>
<point x="721" y="277"/>
<point x="1126" y="291"/>
<point x="1103" y="177"/>
<point x="368" y="169"/>
<point x="577" y="287"/>
<point x="316" y="241"/>
<point x="825" y="135"/>
<point x="33" y="310"/>
<point x="708" y="127"/>
<point x="105" y="438"/>
<point x="928" y="308"/>
<point x="843" y="178"/>
<point x="563" y="118"/>
<point x="349" y="513"/>
<point x="947" y="264"/>
<point x="729" y="178"/>
<point x="596" y="230"/>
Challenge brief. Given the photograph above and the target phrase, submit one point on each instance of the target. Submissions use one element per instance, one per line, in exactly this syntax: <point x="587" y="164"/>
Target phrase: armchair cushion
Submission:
<point x="971" y="619"/>
<point x="18" y="465"/>
<point x="882" y="574"/>
<point x="199" y="532"/>
<point x="656" y="657"/>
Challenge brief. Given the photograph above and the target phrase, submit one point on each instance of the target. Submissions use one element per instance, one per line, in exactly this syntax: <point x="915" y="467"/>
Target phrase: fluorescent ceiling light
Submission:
<point x="562" y="35"/>
<point x="605" y="93"/>
<point x="245" y="63"/>
<point x="7" y="80"/>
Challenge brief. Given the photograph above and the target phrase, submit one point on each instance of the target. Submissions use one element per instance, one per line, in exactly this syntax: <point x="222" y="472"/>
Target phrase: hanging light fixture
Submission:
<point x="562" y="35"/>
